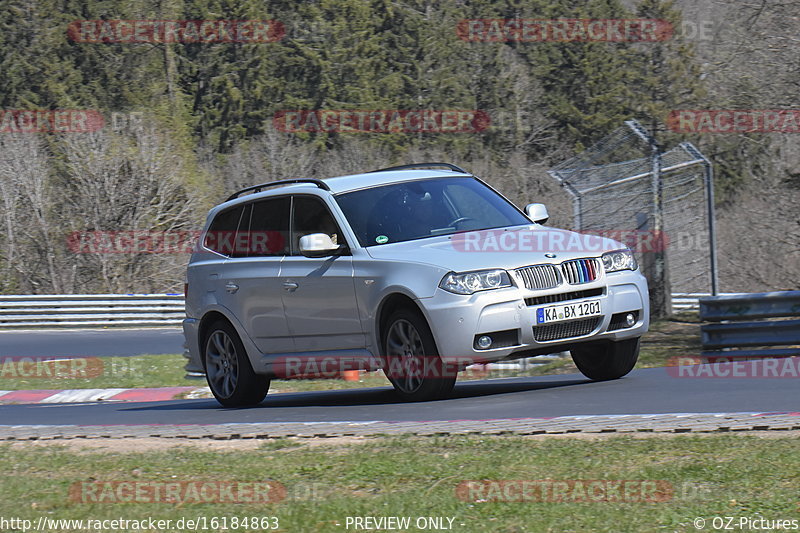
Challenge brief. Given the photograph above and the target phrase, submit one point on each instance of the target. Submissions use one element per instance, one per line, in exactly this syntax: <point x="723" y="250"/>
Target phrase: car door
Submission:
<point x="218" y="243"/>
<point x="319" y="293"/>
<point x="251" y="275"/>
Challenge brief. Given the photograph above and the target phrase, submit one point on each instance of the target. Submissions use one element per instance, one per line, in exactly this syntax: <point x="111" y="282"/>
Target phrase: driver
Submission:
<point x="420" y="215"/>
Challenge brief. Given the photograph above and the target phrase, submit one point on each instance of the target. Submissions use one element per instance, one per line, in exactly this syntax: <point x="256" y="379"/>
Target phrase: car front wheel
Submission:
<point x="610" y="360"/>
<point x="228" y="371"/>
<point x="411" y="360"/>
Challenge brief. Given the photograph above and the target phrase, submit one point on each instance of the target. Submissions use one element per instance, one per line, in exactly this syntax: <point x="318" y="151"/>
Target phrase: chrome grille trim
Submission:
<point x="579" y="271"/>
<point x="539" y="277"/>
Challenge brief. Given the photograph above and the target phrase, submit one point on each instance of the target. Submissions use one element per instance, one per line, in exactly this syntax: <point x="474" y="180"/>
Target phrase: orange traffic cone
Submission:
<point x="350" y="375"/>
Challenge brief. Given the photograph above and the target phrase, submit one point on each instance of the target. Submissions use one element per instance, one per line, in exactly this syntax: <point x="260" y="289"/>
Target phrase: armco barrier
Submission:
<point x="750" y="325"/>
<point x="90" y="310"/>
<point x="686" y="301"/>
<point x="103" y="310"/>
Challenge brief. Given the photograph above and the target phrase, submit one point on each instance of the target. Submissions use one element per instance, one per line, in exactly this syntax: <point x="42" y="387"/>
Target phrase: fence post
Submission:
<point x="712" y="230"/>
<point x="660" y="301"/>
<point x="711" y="209"/>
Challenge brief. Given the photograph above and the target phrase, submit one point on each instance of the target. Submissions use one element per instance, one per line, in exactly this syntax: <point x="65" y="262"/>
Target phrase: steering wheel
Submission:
<point x="459" y="220"/>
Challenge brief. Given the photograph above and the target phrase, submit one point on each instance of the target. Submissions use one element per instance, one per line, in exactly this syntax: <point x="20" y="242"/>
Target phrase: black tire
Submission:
<point x="610" y="360"/>
<point x="435" y="379"/>
<point x="228" y="371"/>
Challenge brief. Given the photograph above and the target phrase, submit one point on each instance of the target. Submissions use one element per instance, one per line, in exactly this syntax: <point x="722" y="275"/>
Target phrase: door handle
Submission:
<point x="231" y="287"/>
<point x="290" y="286"/>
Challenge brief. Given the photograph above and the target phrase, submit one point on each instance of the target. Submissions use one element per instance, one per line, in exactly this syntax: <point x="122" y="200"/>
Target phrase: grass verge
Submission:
<point x="712" y="475"/>
<point x="95" y="373"/>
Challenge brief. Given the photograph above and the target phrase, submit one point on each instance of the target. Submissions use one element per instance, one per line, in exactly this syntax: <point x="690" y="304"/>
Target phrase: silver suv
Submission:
<point x="418" y="270"/>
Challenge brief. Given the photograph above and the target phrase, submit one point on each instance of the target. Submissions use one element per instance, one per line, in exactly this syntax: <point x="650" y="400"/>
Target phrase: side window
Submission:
<point x="221" y="234"/>
<point x="311" y="215"/>
<point x="269" y="227"/>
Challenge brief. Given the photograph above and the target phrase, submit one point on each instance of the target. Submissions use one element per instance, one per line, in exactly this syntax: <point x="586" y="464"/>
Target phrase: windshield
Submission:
<point x="425" y="208"/>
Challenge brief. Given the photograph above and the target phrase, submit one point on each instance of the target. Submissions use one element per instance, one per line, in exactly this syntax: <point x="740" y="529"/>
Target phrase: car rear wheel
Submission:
<point x="610" y="360"/>
<point x="411" y="360"/>
<point x="228" y="371"/>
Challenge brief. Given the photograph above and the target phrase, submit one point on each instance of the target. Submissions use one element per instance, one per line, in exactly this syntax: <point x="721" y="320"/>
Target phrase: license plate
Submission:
<point x="560" y="313"/>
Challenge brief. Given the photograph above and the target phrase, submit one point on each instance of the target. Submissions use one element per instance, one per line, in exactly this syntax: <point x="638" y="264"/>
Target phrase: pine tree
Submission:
<point x="668" y="76"/>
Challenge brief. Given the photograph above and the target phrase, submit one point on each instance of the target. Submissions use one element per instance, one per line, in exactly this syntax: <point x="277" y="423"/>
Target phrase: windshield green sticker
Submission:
<point x="381" y="239"/>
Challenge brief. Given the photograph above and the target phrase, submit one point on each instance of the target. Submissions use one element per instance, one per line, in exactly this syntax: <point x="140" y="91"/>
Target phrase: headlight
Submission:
<point x="619" y="260"/>
<point x="471" y="282"/>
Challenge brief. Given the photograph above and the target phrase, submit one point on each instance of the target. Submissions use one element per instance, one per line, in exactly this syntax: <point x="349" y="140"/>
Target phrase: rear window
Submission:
<point x="221" y="233"/>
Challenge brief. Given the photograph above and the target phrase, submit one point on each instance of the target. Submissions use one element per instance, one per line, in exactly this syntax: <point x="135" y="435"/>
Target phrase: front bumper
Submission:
<point x="456" y="320"/>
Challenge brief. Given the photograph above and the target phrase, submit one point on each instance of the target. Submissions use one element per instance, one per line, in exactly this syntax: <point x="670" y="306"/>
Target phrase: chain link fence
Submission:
<point x="660" y="203"/>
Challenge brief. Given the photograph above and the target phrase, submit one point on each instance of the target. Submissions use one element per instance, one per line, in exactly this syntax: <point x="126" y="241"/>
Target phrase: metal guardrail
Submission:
<point x="104" y="310"/>
<point x="90" y="310"/>
<point x="745" y="321"/>
<point x="690" y="301"/>
<point x="686" y="301"/>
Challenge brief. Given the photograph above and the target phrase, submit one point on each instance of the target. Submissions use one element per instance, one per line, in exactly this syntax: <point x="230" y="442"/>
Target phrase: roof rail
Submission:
<point x="452" y="167"/>
<point x="257" y="188"/>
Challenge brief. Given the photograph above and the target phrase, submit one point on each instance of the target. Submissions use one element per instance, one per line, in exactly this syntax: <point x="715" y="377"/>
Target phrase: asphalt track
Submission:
<point x="91" y="342"/>
<point x="646" y="391"/>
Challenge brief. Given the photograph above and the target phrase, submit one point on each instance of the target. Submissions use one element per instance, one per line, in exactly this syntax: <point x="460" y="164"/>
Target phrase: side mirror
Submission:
<point x="537" y="213"/>
<point x="318" y="245"/>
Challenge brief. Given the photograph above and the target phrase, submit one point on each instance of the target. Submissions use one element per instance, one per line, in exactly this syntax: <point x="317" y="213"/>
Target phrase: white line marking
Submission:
<point x="82" y="395"/>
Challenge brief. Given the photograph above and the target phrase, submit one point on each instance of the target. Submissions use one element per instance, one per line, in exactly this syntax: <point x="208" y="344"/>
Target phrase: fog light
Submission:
<point x="630" y="320"/>
<point x="484" y="342"/>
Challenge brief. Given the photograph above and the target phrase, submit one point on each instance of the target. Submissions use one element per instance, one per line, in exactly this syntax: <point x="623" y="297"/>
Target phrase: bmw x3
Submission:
<point x="418" y="270"/>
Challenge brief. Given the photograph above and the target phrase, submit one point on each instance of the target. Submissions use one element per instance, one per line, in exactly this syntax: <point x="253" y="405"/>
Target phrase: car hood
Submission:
<point x="506" y="248"/>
